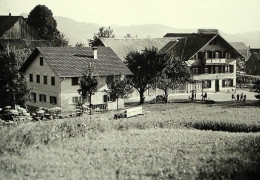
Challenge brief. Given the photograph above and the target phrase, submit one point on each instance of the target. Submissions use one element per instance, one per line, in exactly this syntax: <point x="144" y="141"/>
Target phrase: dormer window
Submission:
<point x="41" y="61"/>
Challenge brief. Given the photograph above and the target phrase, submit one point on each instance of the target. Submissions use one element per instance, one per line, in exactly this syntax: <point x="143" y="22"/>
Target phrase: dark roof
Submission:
<point x="168" y="46"/>
<point x="72" y="61"/>
<point x="190" y="43"/>
<point x="6" y="22"/>
<point x="22" y="43"/>
<point x="179" y="35"/>
<point x="254" y="50"/>
<point x="124" y="46"/>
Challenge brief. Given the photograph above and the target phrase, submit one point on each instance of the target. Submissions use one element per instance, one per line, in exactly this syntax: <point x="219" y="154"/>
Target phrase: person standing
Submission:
<point x="241" y="96"/>
<point x="233" y="97"/>
<point x="244" y="98"/>
<point x="192" y="96"/>
<point x="205" y="95"/>
<point x="237" y="97"/>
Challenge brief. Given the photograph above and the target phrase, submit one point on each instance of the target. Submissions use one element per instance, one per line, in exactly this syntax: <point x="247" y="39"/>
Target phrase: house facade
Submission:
<point x="53" y="75"/>
<point x="211" y="58"/>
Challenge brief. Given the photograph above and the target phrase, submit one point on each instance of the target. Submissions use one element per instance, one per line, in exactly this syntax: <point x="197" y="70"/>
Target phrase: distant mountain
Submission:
<point x="80" y="31"/>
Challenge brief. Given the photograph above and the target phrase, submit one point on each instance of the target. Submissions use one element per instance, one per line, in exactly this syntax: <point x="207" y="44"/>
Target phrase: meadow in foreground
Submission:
<point x="162" y="144"/>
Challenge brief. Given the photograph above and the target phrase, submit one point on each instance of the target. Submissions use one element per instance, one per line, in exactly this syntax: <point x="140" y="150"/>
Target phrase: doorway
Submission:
<point x="216" y="85"/>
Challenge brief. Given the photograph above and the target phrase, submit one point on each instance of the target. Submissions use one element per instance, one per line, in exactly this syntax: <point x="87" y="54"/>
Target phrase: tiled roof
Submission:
<point x="242" y="48"/>
<point x="6" y="22"/>
<point x="239" y="45"/>
<point x="72" y="61"/>
<point x="124" y="46"/>
<point x="22" y="43"/>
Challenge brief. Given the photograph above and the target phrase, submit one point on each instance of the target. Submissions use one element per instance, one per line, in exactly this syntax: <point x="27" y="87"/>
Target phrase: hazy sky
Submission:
<point x="231" y="16"/>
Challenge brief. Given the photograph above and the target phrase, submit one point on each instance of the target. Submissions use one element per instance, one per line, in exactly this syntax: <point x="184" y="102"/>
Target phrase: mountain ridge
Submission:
<point x="77" y="31"/>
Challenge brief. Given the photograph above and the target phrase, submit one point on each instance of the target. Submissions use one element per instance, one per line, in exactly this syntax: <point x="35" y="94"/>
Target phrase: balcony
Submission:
<point x="216" y="61"/>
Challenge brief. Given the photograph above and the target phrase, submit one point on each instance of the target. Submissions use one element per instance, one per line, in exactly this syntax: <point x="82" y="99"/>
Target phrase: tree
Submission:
<point x="173" y="75"/>
<point x="88" y="84"/>
<point x="103" y="32"/>
<point x="13" y="86"/>
<point x="145" y="66"/>
<point x="118" y="87"/>
<point x="80" y="44"/>
<point x="256" y="88"/>
<point x="41" y="18"/>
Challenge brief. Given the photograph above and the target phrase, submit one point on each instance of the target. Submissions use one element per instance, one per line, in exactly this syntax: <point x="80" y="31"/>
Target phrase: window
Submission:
<point x="41" y="61"/>
<point x="75" y="81"/>
<point x="206" y="83"/>
<point x="77" y="99"/>
<point x="216" y="69"/>
<point x="195" y="70"/>
<point x="206" y="70"/>
<point x="231" y="68"/>
<point x="53" y="100"/>
<point x="42" y="97"/>
<point x="31" y="77"/>
<point x="33" y="97"/>
<point x="38" y="78"/>
<point x="45" y="79"/>
<point x="106" y="98"/>
<point x="53" y="81"/>
<point x="227" y="83"/>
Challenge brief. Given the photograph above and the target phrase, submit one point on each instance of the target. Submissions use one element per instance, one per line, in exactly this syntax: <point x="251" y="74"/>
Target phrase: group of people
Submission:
<point x="193" y="95"/>
<point x="240" y="97"/>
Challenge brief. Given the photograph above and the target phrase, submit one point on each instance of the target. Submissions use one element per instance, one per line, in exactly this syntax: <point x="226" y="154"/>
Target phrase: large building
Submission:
<point x="211" y="58"/>
<point x="53" y="75"/>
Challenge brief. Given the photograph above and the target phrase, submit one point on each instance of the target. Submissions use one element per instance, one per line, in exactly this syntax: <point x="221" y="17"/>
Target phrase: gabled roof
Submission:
<point x="73" y="62"/>
<point x="6" y="22"/>
<point x="191" y="43"/>
<point x="124" y="46"/>
<point x="23" y="43"/>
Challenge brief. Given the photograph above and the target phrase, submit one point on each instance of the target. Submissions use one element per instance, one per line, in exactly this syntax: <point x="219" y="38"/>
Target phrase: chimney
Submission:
<point x="94" y="52"/>
<point x="10" y="14"/>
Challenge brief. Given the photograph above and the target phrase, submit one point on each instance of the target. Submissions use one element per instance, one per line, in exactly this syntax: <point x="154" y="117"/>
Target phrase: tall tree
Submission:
<point x="102" y="32"/>
<point x="118" y="87"/>
<point x="13" y="86"/>
<point x="88" y="84"/>
<point x="145" y="66"/>
<point x="41" y="18"/>
<point x="173" y="75"/>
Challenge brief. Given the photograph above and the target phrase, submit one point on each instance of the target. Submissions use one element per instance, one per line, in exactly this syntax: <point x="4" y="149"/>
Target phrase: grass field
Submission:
<point x="168" y="142"/>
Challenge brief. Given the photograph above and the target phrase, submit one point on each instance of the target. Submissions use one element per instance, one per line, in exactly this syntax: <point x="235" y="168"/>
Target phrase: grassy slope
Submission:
<point x="158" y="145"/>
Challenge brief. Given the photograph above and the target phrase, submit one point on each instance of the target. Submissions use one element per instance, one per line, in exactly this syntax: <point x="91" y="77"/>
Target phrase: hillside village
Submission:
<point x="124" y="105"/>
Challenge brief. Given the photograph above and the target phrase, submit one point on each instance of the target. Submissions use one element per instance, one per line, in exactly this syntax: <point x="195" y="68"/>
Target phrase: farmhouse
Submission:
<point x="253" y="63"/>
<point x="211" y="58"/>
<point x="53" y="75"/>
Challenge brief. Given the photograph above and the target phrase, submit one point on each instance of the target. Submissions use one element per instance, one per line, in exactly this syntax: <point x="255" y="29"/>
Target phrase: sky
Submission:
<point x="230" y="16"/>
